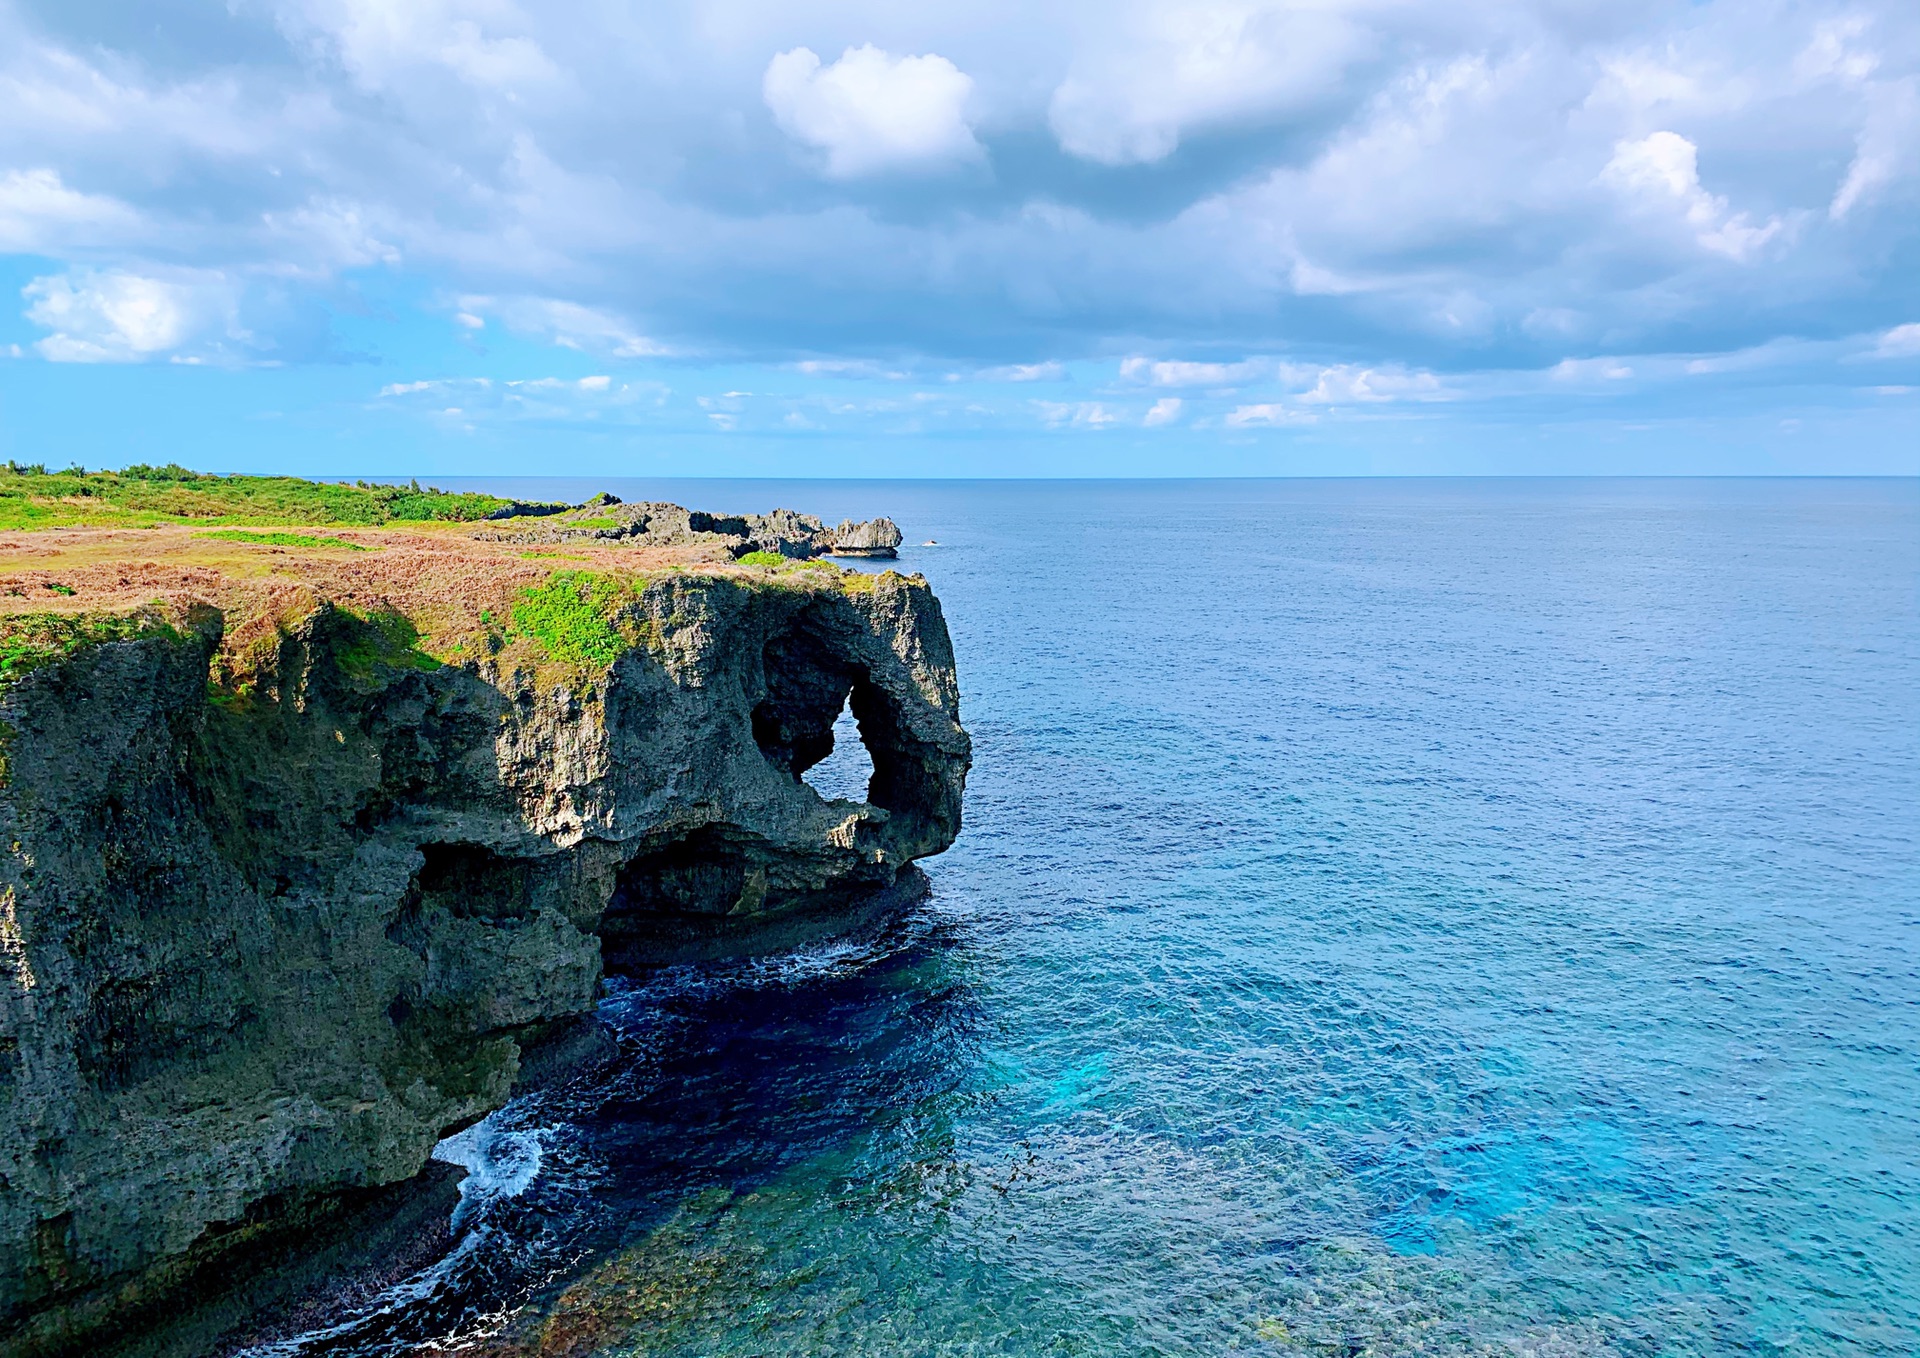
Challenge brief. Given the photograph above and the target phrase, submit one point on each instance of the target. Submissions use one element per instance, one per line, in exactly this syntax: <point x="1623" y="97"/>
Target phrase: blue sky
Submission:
<point x="1221" y="236"/>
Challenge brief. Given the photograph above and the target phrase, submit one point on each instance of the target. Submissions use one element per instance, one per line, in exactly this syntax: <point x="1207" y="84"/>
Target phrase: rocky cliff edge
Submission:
<point x="302" y="853"/>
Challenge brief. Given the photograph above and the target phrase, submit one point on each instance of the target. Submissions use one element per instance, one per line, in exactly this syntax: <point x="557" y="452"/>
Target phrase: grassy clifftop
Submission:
<point x="33" y="497"/>
<point x="90" y="557"/>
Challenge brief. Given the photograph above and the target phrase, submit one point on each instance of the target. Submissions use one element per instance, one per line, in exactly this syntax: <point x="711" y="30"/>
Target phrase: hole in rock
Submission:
<point x="806" y="723"/>
<point x="847" y="772"/>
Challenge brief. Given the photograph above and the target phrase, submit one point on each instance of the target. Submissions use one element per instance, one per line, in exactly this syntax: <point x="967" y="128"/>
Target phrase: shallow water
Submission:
<point x="1393" y="918"/>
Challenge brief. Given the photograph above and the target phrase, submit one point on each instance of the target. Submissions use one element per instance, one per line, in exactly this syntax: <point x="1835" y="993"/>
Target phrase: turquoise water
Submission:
<point x="1393" y="918"/>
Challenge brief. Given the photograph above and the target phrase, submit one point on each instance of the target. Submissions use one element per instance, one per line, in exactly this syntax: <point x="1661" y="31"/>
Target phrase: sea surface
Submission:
<point x="1393" y="917"/>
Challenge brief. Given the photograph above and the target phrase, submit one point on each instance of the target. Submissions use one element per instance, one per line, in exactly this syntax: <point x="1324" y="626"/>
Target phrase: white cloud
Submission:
<point x="1458" y="186"/>
<point x="1886" y="150"/>
<point x="1164" y="411"/>
<point x="1269" y="414"/>
<point x="596" y="384"/>
<point x="567" y="324"/>
<point x="871" y="111"/>
<point x="324" y="235"/>
<point x="120" y="317"/>
<point x="1662" y="171"/>
<point x="1159" y="70"/>
<point x="1024" y="372"/>
<point x="1345" y="383"/>
<point x="1835" y="49"/>
<point x="1608" y="369"/>
<point x="1902" y="341"/>
<point x="1173" y="373"/>
<point x="1079" y="414"/>
<point x="850" y="367"/>
<point x="380" y="41"/>
<point x="39" y="213"/>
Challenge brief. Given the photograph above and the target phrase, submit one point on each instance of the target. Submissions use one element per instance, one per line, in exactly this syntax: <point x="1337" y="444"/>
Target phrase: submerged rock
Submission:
<point x="262" y="945"/>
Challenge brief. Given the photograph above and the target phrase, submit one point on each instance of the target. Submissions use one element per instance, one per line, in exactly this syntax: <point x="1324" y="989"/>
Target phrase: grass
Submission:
<point x="33" y="497"/>
<point x="762" y="559"/>
<point x="384" y="637"/>
<point x="279" y="539"/>
<point x="28" y="641"/>
<point x="570" y="615"/>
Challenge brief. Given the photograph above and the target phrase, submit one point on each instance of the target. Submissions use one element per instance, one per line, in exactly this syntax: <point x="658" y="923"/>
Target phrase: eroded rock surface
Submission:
<point x="783" y="532"/>
<point x="262" y="948"/>
<point x="876" y="537"/>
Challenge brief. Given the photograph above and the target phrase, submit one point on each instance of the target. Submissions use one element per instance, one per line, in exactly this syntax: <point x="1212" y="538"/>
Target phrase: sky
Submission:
<point x="1085" y="238"/>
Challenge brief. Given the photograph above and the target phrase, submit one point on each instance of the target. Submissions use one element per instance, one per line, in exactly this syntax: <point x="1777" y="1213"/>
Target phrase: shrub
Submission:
<point x="762" y="559"/>
<point x="569" y="615"/>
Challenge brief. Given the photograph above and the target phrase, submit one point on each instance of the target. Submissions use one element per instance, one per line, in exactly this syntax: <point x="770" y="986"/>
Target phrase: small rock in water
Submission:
<point x="875" y="537"/>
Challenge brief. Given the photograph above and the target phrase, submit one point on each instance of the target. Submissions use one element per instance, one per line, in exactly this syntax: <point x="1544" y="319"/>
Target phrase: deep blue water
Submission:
<point x="1453" y="917"/>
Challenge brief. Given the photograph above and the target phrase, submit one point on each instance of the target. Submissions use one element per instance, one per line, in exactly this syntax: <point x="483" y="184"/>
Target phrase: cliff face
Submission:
<point x="262" y="945"/>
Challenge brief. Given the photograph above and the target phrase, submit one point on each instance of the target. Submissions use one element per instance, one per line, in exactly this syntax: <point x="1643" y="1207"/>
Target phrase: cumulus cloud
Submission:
<point x="1346" y="383"/>
<point x="1174" y="373"/>
<point x="1374" y="187"/>
<point x="1163" y="411"/>
<point x="871" y="111"/>
<point x="118" y="317"/>
<point x="1161" y="70"/>
<point x="1662" y="171"/>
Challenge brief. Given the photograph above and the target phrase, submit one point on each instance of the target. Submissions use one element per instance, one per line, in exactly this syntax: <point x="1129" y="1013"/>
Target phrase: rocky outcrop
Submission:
<point x="784" y="532"/>
<point x="262" y="946"/>
<point x="876" y="537"/>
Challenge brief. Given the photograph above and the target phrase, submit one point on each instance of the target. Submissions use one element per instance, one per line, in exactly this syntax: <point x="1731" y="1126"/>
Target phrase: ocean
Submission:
<point x="1393" y="917"/>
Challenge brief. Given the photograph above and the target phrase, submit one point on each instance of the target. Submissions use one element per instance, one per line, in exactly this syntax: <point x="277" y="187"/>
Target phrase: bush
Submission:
<point x="569" y="615"/>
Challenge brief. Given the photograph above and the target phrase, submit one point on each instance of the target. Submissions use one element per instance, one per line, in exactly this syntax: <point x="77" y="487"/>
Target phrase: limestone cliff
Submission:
<point x="263" y="942"/>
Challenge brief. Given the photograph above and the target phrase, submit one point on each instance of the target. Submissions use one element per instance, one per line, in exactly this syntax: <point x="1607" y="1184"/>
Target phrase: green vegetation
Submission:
<point x="762" y="559"/>
<point x="382" y="638"/>
<point x="279" y="539"/>
<point x="570" y="615"/>
<point x="30" y="640"/>
<point x="33" y="497"/>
